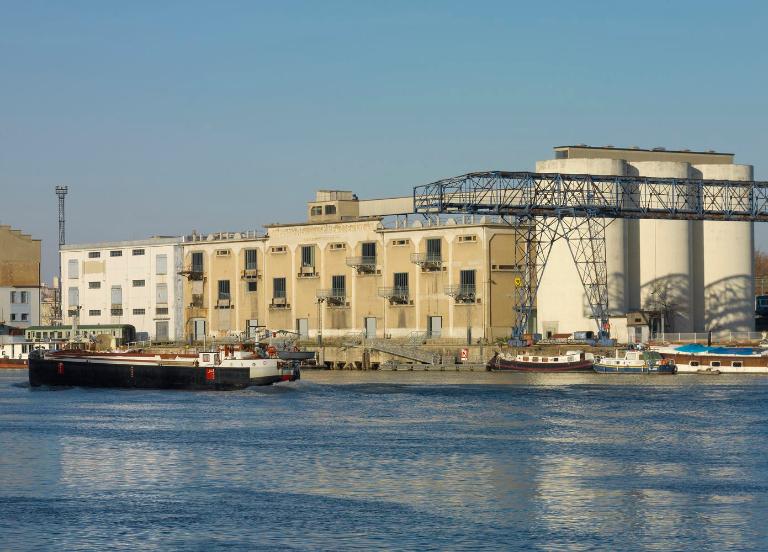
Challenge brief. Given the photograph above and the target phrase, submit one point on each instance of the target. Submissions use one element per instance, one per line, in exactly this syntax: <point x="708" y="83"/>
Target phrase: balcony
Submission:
<point x="307" y="272"/>
<point x="462" y="293"/>
<point x="336" y="297"/>
<point x="427" y="261"/>
<point x="397" y="295"/>
<point x="250" y="274"/>
<point x="224" y="301"/>
<point x="279" y="303"/>
<point x="193" y="272"/>
<point x="363" y="264"/>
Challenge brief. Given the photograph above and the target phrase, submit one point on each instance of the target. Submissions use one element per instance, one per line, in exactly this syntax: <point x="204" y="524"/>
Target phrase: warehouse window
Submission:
<point x="138" y="283"/>
<point x="162" y="293"/>
<point x="224" y="290"/>
<point x="116" y="294"/>
<point x="94" y="312"/>
<point x="161" y="264"/>
<point x="197" y="261"/>
<point x="72" y="271"/>
<point x="115" y="253"/>
<point x="278" y="287"/>
<point x="316" y="210"/>
<point x="137" y="252"/>
<point x="339" y="286"/>
<point x="251" y="286"/>
<point x="139" y="312"/>
<point x="434" y="249"/>
<point x="74" y="297"/>
<point x="401" y="282"/>
<point x="94" y="285"/>
<point x="94" y="255"/>
<point x="250" y="259"/>
<point x="330" y="209"/>
<point x="307" y="255"/>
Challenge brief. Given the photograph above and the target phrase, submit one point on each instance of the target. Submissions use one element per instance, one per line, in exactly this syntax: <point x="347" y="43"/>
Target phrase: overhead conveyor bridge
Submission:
<point x="576" y="208"/>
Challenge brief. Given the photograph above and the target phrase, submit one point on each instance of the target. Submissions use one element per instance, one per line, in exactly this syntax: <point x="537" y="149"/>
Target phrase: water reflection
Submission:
<point x="372" y="460"/>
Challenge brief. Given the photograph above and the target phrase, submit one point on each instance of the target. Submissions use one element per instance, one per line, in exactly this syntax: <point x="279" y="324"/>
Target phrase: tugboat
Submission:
<point x="571" y="361"/>
<point x="224" y="369"/>
<point x="635" y="362"/>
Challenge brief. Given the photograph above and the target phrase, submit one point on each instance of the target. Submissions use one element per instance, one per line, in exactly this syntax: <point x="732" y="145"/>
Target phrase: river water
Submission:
<point x="362" y="460"/>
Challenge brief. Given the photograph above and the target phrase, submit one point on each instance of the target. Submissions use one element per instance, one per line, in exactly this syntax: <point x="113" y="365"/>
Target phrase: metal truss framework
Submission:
<point x="577" y="208"/>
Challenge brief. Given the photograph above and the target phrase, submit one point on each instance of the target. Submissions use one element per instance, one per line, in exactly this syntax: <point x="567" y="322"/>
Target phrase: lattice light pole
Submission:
<point x="61" y="193"/>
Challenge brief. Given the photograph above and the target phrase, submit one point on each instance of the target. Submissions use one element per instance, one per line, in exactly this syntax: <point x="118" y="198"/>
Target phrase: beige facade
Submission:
<point x="343" y="274"/>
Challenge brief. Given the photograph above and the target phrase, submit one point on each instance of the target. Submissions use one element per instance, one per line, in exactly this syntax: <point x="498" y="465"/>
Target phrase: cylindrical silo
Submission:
<point x="728" y="284"/>
<point x="561" y="302"/>
<point x="665" y="257"/>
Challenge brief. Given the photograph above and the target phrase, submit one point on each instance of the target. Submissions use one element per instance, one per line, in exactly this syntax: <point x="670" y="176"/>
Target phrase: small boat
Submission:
<point x="571" y="361"/>
<point x="12" y="363"/>
<point x="224" y="369"/>
<point x="635" y="362"/>
<point x="708" y="372"/>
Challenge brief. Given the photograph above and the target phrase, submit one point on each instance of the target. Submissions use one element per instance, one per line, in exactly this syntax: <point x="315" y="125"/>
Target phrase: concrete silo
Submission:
<point x="561" y="302"/>
<point x="664" y="257"/>
<point x="727" y="263"/>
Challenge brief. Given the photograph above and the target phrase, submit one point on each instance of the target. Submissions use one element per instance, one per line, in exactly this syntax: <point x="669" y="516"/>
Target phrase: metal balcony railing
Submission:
<point x="395" y="295"/>
<point x="427" y="261"/>
<point x="333" y="296"/>
<point x="465" y="293"/>
<point x="250" y="274"/>
<point x="362" y="264"/>
<point x="193" y="272"/>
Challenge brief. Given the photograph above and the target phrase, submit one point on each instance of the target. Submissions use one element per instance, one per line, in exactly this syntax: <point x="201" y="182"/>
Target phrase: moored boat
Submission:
<point x="571" y="361"/>
<point x="697" y="359"/>
<point x="635" y="362"/>
<point x="208" y="370"/>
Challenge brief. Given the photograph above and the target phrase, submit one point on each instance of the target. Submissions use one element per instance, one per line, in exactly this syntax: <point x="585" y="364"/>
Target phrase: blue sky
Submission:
<point x="164" y="117"/>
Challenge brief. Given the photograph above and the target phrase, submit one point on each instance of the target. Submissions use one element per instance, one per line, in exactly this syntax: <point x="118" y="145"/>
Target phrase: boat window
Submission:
<point x="535" y="359"/>
<point x="554" y="359"/>
<point x="736" y="364"/>
<point x="715" y="363"/>
<point x="694" y="363"/>
<point x="525" y="358"/>
<point x="206" y="358"/>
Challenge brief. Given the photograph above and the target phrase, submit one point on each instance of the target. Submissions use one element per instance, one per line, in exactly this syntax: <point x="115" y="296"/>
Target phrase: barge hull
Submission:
<point x="81" y="373"/>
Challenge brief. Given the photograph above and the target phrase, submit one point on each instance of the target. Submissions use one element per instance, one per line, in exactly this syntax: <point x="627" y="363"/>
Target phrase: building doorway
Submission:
<point x="370" y="327"/>
<point x="161" y="330"/>
<point x="252" y="329"/>
<point x="198" y="329"/>
<point x="434" y="326"/>
<point x="302" y="327"/>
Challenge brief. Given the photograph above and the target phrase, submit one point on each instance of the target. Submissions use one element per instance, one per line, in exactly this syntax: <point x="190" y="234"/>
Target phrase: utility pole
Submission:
<point x="61" y="193"/>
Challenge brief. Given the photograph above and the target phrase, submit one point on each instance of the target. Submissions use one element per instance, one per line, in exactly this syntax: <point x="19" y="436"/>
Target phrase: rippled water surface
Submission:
<point x="390" y="460"/>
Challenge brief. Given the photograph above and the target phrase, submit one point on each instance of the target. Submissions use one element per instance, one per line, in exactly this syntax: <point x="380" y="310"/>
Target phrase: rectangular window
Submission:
<point x="401" y="282"/>
<point x="161" y="311"/>
<point x="139" y="312"/>
<point x="13" y="297"/>
<point x="161" y="264"/>
<point x="467" y="278"/>
<point x="224" y="290"/>
<point x="137" y="252"/>
<point x="222" y="252"/>
<point x="330" y="209"/>
<point x="369" y="252"/>
<point x="736" y="364"/>
<point x="251" y="286"/>
<point x="24" y="297"/>
<point x="339" y="286"/>
<point x="94" y="312"/>
<point x="250" y="259"/>
<point x="72" y="271"/>
<point x="74" y="297"/>
<point x="116" y="311"/>
<point x="278" y="287"/>
<point x="161" y="295"/>
<point x="94" y="255"/>
<point x="116" y="253"/>
<point x="138" y="283"/>
<point x="24" y="316"/>
<point x="316" y="210"/>
<point x="434" y="249"/>
<point x="470" y="238"/>
<point x="307" y="255"/>
<point x="94" y="285"/>
<point x="197" y="261"/>
<point x="278" y="249"/>
<point x="338" y="245"/>
<point x="13" y="317"/>
<point x="116" y="294"/>
<point x="400" y="242"/>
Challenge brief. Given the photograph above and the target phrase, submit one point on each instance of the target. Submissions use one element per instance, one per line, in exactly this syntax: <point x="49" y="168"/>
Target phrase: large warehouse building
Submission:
<point x="373" y="267"/>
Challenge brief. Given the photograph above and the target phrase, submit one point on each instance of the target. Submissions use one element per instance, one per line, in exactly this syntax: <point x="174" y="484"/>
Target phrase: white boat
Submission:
<point x="635" y="362"/>
<point x="700" y="359"/>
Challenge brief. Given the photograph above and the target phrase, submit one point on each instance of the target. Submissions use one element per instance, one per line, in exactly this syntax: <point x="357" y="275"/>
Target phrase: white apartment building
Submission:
<point x="20" y="306"/>
<point x="128" y="282"/>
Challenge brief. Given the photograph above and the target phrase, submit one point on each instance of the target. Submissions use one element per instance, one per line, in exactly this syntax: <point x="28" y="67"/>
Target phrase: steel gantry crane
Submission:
<point x="577" y="208"/>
